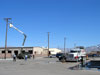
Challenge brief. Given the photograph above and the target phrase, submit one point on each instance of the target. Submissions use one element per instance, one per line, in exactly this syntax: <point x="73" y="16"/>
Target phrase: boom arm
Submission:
<point x="24" y="39"/>
<point x="20" y="32"/>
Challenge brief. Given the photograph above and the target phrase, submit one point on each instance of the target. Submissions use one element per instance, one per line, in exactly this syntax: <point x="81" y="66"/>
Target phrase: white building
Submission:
<point x="54" y="50"/>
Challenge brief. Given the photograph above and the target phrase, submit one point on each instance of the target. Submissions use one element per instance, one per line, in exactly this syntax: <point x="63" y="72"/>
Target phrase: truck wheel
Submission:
<point x="63" y="60"/>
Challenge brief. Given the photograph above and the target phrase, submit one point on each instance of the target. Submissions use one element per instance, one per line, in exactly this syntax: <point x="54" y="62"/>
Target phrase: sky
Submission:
<point x="77" y="20"/>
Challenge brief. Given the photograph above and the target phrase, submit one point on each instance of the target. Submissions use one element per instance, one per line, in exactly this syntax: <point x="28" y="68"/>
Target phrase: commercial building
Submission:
<point x="36" y="51"/>
<point x="54" y="51"/>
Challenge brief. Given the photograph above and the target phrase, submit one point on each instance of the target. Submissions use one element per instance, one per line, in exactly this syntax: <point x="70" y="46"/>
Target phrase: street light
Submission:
<point x="7" y="20"/>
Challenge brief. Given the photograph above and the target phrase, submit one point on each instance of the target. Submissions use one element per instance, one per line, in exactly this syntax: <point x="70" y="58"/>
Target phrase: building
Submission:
<point x="36" y="51"/>
<point x="14" y="50"/>
<point x="54" y="50"/>
<point x="40" y="52"/>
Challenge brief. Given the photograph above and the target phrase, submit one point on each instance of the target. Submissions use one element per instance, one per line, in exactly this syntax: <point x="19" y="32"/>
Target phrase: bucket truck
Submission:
<point x="21" y="55"/>
<point x="11" y="26"/>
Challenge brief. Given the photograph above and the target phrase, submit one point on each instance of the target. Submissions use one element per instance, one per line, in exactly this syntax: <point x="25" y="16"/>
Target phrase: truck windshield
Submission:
<point x="74" y="51"/>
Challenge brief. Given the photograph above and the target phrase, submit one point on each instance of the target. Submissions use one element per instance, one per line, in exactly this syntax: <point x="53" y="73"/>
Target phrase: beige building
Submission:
<point x="14" y="50"/>
<point x="39" y="51"/>
<point x="36" y="51"/>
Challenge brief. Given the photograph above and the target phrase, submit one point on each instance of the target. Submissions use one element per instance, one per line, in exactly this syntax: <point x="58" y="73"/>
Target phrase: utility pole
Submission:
<point x="64" y="44"/>
<point x="74" y="45"/>
<point x="48" y="44"/>
<point x="7" y="20"/>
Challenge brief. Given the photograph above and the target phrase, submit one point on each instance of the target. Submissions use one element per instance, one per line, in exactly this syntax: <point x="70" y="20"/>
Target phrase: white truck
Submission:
<point x="74" y="54"/>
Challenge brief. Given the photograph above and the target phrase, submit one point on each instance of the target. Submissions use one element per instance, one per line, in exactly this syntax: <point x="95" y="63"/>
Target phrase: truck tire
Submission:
<point x="62" y="59"/>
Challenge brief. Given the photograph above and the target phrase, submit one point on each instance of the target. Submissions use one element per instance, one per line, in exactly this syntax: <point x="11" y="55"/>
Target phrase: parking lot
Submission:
<point x="41" y="66"/>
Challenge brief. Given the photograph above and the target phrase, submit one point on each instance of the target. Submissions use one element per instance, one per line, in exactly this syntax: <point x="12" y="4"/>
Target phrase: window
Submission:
<point x="3" y="51"/>
<point x="16" y="52"/>
<point x="30" y="51"/>
<point x="74" y="51"/>
<point x="9" y="51"/>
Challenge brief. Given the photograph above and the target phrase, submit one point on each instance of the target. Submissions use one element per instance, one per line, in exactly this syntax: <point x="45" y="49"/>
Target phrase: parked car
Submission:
<point x="62" y="58"/>
<point x="52" y="56"/>
<point x="58" y="55"/>
<point x="22" y="55"/>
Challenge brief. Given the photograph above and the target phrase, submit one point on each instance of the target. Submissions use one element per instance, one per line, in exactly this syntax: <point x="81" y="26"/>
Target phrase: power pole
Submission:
<point x="7" y="20"/>
<point x="48" y="44"/>
<point x="64" y="44"/>
<point x="74" y="45"/>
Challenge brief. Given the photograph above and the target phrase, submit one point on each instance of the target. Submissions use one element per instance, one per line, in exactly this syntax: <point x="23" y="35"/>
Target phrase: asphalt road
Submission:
<point x="41" y="66"/>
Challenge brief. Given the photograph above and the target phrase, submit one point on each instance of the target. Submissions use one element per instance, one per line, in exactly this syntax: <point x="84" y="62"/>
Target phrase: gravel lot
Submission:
<point x="41" y="66"/>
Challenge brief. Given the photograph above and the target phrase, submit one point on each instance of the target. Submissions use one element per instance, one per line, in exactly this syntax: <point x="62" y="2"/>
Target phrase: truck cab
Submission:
<point x="76" y="54"/>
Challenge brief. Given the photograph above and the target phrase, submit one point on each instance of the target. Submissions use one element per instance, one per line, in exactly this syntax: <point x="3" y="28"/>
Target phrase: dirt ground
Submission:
<point x="41" y="66"/>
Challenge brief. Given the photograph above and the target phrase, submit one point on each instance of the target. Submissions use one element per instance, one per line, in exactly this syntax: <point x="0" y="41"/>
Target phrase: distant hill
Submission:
<point x="88" y="49"/>
<point x="93" y="48"/>
<point x="66" y="50"/>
